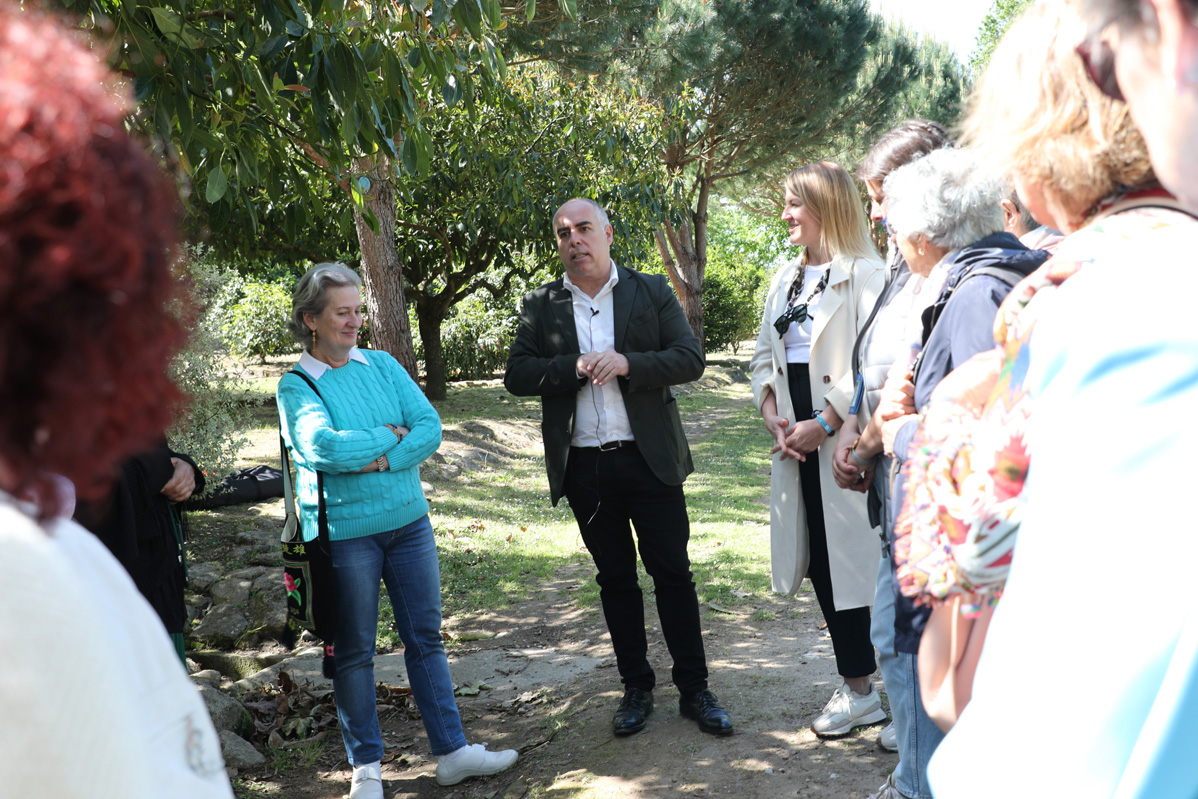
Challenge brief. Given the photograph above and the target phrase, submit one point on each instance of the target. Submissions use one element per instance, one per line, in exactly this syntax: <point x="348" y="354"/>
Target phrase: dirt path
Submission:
<point x="553" y="687"/>
<point x="771" y="666"/>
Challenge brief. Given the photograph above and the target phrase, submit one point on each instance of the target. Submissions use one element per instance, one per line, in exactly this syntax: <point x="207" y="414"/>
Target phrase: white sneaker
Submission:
<point x="888" y="738"/>
<point x="846" y="710"/>
<point x="472" y="761"/>
<point x="887" y="791"/>
<point x="367" y="782"/>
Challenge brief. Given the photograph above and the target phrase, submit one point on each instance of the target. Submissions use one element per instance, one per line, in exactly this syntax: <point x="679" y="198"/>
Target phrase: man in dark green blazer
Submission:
<point x="601" y="347"/>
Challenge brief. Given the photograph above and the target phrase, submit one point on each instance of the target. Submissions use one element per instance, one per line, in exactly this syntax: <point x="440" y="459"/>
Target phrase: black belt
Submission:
<point x="611" y="446"/>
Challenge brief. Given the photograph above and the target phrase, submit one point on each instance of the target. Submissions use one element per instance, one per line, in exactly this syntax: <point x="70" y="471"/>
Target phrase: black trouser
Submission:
<point x="607" y="492"/>
<point x="849" y="628"/>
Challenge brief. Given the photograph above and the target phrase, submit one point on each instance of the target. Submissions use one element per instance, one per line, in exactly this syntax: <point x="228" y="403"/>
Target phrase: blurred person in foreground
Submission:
<point x="1104" y="562"/>
<point x="885" y="343"/>
<point x="95" y="700"/>
<point x="946" y="219"/>
<point x="803" y="388"/>
<point x="364" y="424"/>
<point x="1078" y="149"/>
<point x="1020" y="223"/>
<point x="1146" y="53"/>
<point x="141" y="525"/>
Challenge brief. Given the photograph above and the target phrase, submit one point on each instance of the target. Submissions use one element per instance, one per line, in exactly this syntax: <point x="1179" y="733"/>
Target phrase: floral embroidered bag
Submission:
<point x="308" y="576"/>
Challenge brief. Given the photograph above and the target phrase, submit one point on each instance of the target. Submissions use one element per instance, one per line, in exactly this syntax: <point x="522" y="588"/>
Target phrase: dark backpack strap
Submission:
<point x="1004" y="274"/>
<point x="322" y="519"/>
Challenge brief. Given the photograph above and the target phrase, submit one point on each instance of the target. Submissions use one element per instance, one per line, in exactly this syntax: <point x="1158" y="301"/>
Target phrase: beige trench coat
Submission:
<point x="854" y="285"/>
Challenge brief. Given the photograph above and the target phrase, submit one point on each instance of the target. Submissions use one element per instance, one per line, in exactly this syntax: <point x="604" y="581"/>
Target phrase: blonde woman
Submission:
<point x="803" y="386"/>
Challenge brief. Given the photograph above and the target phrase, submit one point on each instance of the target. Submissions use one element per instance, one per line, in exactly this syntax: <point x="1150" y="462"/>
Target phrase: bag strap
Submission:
<point x="322" y="519"/>
<point x="1007" y="275"/>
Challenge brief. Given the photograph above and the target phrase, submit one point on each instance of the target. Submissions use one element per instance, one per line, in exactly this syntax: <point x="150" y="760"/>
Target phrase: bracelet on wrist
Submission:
<point x="822" y="423"/>
<point x="864" y="463"/>
<point x="381" y="462"/>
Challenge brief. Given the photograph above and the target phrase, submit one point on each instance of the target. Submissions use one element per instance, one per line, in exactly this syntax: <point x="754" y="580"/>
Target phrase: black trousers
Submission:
<point x="610" y="493"/>
<point x="849" y="628"/>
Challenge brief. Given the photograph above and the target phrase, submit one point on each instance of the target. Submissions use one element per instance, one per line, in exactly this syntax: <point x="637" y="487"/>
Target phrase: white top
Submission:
<point x="600" y="416"/>
<point x="316" y="368"/>
<point x="96" y="702"/>
<point x="798" y="336"/>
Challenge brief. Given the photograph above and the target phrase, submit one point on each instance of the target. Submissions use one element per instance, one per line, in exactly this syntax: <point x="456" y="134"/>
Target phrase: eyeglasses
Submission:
<point x="1099" y="60"/>
<point x="795" y="313"/>
<point x="891" y="230"/>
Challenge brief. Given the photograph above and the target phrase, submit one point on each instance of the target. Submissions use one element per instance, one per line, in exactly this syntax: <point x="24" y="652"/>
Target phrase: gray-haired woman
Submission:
<point x="368" y="428"/>
<point x="946" y="217"/>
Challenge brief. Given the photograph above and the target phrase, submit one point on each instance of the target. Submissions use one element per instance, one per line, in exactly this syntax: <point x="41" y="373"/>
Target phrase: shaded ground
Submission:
<point x="771" y="667"/>
<point x="771" y="663"/>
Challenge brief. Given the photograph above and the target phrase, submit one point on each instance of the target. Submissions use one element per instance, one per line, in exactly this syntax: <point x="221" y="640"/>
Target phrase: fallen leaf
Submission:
<point x="516" y="790"/>
<point x="720" y="609"/>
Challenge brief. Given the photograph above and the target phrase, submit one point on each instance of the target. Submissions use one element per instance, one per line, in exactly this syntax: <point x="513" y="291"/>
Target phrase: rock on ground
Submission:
<point x="238" y="752"/>
<point x="223" y="625"/>
<point x="225" y="711"/>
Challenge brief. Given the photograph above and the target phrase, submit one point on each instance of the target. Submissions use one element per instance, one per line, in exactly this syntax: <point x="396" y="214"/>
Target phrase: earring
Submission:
<point x="313" y="339"/>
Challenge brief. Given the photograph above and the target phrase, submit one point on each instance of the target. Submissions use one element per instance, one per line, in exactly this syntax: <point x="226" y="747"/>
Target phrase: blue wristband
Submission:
<point x="827" y="427"/>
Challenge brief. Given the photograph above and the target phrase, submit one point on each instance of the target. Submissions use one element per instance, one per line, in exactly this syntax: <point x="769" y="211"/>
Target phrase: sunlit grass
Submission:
<point x="499" y="537"/>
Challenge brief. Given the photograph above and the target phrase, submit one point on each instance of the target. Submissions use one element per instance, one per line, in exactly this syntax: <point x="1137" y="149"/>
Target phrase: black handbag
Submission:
<point x="308" y="575"/>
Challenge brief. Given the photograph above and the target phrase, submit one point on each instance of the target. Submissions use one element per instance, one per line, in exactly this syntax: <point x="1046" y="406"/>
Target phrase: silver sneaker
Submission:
<point x="846" y="710"/>
<point x="888" y="791"/>
<point x="888" y="738"/>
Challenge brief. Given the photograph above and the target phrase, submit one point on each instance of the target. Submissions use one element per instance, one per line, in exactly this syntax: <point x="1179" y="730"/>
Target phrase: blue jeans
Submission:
<point x="406" y="561"/>
<point x="917" y="735"/>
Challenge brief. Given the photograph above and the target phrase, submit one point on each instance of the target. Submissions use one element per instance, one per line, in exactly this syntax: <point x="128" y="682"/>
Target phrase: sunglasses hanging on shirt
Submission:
<point x="797" y="313"/>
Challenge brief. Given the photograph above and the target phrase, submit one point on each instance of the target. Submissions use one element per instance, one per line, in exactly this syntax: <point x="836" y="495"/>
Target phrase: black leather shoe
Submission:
<point x="634" y="709"/>
<point x="704" y="708"/>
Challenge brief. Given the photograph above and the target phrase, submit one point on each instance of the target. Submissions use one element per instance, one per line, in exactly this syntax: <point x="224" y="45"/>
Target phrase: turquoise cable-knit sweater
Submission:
<point x="346" y="432"/>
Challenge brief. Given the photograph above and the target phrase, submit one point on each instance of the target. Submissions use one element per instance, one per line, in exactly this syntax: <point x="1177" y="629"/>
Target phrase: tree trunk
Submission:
<point x="386" y="306"/>
<point x="685" y="269"/>
<point x="430" y="313"/>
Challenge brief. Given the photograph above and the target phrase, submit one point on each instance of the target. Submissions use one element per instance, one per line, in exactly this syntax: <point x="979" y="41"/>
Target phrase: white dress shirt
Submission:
<point x="600" y="416"/>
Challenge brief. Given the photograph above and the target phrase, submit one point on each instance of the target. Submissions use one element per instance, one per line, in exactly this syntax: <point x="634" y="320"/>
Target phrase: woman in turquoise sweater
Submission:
<point x="368" y="430"/>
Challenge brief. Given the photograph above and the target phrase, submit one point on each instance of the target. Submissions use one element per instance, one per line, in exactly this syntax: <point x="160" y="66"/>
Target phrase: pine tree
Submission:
<point x="754" y="84"/>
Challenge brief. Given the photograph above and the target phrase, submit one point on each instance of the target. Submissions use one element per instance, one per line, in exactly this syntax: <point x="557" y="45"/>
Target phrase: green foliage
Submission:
<point x="481" y="218"/>
<point x="743" y="251"/>
<point x="938" y="88"/>
<point x="602" y="32"/>
<point x="475" y="338"/>
<point x="212" y="430"/>
<point x="1002" y="14"/>
<point x="756" y="87"/>
<point x="260" y="106"/>
<point x="758" y="81"/>
<point x="727" y="308"/>
<point x="478" y="331"/>
<point x="253" y="318"/>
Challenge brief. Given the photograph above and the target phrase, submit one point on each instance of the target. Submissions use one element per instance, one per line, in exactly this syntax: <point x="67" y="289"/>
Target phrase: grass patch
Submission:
<point x="498" y="534"/>
<point x="499" y="537"/>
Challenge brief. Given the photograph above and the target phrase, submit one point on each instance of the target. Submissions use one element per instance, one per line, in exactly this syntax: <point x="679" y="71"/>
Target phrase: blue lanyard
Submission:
<point x="858" y="394"/>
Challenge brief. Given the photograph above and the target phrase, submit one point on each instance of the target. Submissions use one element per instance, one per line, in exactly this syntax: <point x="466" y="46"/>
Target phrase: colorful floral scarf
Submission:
<point x="956" y="532"/>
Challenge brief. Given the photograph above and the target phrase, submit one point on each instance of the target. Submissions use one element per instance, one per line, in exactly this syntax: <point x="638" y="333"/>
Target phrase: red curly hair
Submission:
<point x="87" y="238"/>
